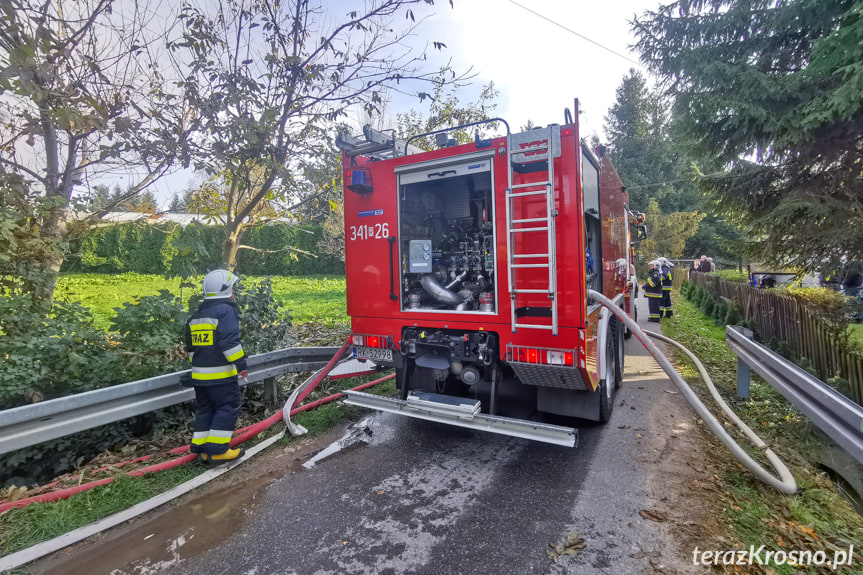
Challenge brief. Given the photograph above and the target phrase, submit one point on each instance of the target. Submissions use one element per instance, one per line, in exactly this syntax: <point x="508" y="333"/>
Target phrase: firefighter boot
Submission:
<point x="203" y="457"/>
<point x="226" y="457"/>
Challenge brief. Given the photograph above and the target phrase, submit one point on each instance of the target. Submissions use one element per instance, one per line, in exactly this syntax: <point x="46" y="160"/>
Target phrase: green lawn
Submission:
<point x="308" y="298"/>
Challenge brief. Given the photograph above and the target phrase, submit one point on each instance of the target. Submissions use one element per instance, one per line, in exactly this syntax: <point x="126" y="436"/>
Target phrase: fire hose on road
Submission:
<point x="25" y="556"/>
<point x="785" y="483"/>
<point x="242" y="435"/>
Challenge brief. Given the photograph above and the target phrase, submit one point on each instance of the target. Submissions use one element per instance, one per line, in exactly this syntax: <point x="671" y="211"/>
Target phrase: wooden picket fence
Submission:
<point x="783" y="318"/>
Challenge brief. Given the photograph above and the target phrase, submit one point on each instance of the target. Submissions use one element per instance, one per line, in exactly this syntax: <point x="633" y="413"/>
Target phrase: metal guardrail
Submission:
<point x="836" y="415"/>
<point x="39" y="422"/>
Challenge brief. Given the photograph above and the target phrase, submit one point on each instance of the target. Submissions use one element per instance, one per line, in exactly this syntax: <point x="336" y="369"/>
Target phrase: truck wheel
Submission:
<point x="627" y="333"/>
<point x="606" y="384"/>
<point x="620" y="353"/>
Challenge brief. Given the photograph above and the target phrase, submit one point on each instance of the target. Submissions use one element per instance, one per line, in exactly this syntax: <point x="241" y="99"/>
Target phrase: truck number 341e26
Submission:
<point x="370" y="232"/>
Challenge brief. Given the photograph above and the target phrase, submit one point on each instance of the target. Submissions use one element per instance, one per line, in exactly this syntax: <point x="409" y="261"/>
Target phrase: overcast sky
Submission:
<point x="538" y="67"/>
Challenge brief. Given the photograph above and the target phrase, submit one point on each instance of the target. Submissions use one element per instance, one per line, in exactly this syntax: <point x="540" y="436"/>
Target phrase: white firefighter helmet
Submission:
<point x="665" y="261"/>
<point x="654" y="264"/>
<point x="219" y="284"/>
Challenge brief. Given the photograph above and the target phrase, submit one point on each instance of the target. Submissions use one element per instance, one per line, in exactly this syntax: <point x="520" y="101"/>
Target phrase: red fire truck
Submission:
<point x="467" y="270"/>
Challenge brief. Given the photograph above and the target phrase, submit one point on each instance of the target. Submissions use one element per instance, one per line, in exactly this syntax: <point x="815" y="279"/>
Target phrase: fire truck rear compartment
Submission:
<point x="446" y="239"/>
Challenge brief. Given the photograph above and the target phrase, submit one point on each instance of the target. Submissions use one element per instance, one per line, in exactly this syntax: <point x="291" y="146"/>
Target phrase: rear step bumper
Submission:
<point x="463" y="413"/>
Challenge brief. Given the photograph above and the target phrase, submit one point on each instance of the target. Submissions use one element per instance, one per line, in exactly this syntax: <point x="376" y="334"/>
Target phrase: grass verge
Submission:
<point x="816" y="518"/>
<point x="22" y="528"/>
<point x="308" y="298"/>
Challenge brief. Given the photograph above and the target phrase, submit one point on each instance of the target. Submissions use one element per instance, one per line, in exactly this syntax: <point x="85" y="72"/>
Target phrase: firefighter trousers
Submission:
<point x="665" y="307"/>
<point x="653" y="303"/>
<point x="217" y="407"/>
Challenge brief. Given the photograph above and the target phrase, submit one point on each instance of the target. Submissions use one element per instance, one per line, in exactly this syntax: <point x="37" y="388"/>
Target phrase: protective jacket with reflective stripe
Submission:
<point x="667" y="278"/>
<point x="653" y="286"/>
<point x="213" y="343"/>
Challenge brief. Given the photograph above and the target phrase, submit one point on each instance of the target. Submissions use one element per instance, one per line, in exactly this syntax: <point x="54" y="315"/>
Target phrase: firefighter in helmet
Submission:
<point x="212" y="338"/>
<point x="667" y="280"/>
<point x="653" y="291"/>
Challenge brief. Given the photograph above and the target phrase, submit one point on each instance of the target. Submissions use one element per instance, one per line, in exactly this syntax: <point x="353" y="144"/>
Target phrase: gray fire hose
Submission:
<point x="785" y="483"/>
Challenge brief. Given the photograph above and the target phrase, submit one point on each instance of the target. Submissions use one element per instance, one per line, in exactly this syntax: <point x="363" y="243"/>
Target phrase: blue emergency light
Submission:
<point x="361" y="181"/>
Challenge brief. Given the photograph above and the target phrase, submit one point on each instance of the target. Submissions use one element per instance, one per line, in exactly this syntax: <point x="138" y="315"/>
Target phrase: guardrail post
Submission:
<point x="744" y="374"/>
<point x="743" y="379"/>
<point x="271" y="393"/>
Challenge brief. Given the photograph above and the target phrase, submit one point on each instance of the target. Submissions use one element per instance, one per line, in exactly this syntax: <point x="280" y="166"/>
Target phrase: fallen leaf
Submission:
<point x="652" y="516"/>
<point x="670" y="392"/>
<point x="380" y="492"/>
<point x="571" y="546"/>
<point x="638" y="435"/>
<point x="573" y="539"/>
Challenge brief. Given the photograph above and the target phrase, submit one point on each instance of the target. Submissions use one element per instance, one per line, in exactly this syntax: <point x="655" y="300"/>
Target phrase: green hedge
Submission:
<point x="152" y="249"/>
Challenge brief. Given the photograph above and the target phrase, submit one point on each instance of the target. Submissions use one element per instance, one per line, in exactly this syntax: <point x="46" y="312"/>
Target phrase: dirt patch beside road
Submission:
<point x="198" y="522"/>
<point x="683" y="483"/>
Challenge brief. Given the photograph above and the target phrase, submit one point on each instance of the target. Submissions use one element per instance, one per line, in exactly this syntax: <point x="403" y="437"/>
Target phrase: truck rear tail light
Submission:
<point x="553" y="357"/>
<point x="542" y="356"/>
<point x="379" y="341"/>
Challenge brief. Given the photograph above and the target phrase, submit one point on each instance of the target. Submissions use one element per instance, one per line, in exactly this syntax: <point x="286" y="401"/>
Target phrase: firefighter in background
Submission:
<point x="667" y="280"/>
<point x="213" y="344"/>
<point x="653" y="291"/>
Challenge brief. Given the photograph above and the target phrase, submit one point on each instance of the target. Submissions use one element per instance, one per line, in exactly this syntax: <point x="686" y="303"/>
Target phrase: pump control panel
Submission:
<point x="420" y="256"/>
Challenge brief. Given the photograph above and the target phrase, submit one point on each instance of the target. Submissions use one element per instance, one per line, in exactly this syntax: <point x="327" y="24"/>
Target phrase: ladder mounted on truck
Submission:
<point x="374" y="144"/>
<point x="532" y="152"/>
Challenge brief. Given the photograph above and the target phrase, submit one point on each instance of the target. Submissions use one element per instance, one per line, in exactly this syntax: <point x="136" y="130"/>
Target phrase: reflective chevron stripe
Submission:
<point x="207" y="373"/>
<point x="203" y="324"/>
<point x="234" y="353"/>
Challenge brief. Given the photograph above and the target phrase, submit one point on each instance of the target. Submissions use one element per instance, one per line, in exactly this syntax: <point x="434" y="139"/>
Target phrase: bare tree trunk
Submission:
<point x="231" y="246"/>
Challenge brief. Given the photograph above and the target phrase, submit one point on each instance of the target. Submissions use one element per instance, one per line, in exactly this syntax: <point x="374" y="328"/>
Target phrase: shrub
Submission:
<point x="720" y="310"/>
<point x="278" y="249"/>
<point x="707" y="305"/>
<point x="732" y="275"/>
<point x="684" y="288"/>
<point x="151" y="335"/>
<point x="276" y="254"/>
<point x="732" y="317"/>
<point x="55" y="351"/>
<point x="695" y="295"/>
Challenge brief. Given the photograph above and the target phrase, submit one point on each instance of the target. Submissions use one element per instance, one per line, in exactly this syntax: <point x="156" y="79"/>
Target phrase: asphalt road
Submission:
<point x="418" y="497"/>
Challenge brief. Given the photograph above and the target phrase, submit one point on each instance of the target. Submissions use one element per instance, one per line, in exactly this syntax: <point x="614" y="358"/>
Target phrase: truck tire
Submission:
<point x="619" y="353"/>
<point x="606" y="384"/>
<point x="627" y="333"/>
